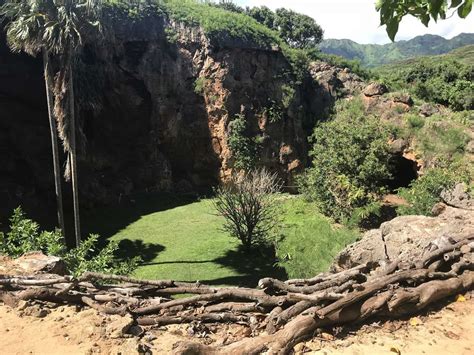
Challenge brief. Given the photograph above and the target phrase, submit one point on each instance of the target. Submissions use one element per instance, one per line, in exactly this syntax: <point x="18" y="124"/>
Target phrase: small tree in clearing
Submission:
<point x="247" y="203"/>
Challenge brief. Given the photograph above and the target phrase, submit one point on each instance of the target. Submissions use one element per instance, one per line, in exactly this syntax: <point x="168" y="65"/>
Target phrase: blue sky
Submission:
<point x="358" y="20"/>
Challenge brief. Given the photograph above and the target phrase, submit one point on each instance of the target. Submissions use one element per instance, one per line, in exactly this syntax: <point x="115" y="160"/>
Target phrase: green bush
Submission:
<point x="25" y="236"/>
<point x="415" y="121"/>
<point x="199" y="85"/>
<point x="243" y="147"/>
<point x="350" y="162"/>
<point x="441" y="80"/>
<point x="440" y="139"/>
<point x="424" y="192"/>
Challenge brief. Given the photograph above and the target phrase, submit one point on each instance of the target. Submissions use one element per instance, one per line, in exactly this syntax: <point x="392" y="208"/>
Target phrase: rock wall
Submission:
<point x="145" y="125"/>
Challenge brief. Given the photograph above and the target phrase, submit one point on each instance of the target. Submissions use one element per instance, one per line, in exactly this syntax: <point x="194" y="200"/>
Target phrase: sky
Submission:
<point x="359" y="21"/>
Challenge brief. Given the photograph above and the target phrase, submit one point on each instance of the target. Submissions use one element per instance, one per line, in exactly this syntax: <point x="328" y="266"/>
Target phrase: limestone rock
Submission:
<point x="398" y="146"/>
<point x="407" y="237"/>
<point x="374" y="89"/>
<point x="403" y="98"/>
<point x="428" y="110"/>
<point x="33" y="263"/>
<point x="458" y="197"/>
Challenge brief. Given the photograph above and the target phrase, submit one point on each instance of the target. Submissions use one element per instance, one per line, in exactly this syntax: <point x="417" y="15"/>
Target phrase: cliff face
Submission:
<point x="161" y="100"/>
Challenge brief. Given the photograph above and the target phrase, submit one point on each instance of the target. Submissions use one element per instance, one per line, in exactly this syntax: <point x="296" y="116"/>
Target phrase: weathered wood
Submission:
<point x="205" y="318"/>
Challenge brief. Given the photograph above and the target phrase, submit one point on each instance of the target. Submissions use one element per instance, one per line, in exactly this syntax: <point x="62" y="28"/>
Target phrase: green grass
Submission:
<point x="182" y="240"/>
<point x="310" y="240"/>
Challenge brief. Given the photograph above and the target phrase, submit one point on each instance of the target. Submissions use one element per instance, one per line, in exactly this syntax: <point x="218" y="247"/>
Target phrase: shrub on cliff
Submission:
<point x="350" y="163"/>
<point x="25" y="236"/>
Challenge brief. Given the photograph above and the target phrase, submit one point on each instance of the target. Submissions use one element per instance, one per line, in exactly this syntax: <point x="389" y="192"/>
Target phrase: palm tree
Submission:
<point x="60" y="27"/>
<point x="24" y="35"/>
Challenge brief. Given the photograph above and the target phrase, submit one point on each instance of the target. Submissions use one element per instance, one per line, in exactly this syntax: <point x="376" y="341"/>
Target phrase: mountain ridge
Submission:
<point x="372" y="55"/>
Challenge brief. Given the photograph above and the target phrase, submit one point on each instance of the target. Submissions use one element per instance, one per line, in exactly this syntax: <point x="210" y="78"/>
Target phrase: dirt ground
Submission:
<point x="31" y="329"/>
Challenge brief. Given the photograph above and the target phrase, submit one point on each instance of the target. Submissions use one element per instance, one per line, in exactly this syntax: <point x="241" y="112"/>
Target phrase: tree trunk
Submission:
<point x="73" y="159"/>
<point x="54" y="143"/>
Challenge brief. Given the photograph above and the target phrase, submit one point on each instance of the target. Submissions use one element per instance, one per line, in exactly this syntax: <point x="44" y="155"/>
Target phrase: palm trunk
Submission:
<point x="73" y="159"/>
<point x="54" y="143"/>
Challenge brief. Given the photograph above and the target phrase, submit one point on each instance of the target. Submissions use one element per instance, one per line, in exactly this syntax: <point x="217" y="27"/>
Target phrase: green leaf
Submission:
<point x="425" y="19"/>
<point x="465" y="9"/>
<point x="392" y="29"/>
<point x="455" y="3"/>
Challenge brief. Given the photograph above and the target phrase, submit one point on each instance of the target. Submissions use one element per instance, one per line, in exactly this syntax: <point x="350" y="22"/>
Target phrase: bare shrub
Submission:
<point x="248" y="205"/>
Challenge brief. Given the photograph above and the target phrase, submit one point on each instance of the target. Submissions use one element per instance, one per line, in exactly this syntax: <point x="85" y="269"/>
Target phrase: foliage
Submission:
<point x="86" y="257"/>
<point x="243" y="147"/>
<point x="273" y="111"/>
<point x="424" y="192"/>
<point x="297" y="30"/>
<point x="263" y="15"/>
<point x="199" y="85"/>
<point x="220" y="25"/>
<point x="248" y="205"/>
<point x="392" y="12"/>
<point x="306" y="243"/>
<point x="288" y="94"/>
<point x="415" y="121"/>
<point x="350" y="162"/>
<point x="25" y="236"/>
<point x="442" y="80"/>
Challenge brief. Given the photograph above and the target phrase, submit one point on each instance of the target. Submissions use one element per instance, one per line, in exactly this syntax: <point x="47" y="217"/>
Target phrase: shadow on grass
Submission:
<point x="107" y="221"/>
<point x="146" y="251"/>
<point x="252" y="265"/>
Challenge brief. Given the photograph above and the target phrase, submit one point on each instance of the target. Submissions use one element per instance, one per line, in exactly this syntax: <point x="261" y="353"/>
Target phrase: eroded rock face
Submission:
<point x="152" y="129"/>
<point x="407" y="237"/>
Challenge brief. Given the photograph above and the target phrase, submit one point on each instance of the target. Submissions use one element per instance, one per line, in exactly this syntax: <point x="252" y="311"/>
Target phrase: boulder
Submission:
<point x="407" y="238"/>
<point x="374" y="89"/>
<point x="403" y="98"/>
<point x="398" y="146"/>
<point x="428" y="110"/>
<point x="458" y="197"/>
<point x="33" y="263"/>
<point x="470" y="147"/>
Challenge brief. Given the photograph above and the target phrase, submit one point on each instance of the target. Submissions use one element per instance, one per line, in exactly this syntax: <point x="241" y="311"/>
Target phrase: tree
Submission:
<point x="351" y="164"/>
<point x="263" y="15"/>
<point x="60" y="28"/>
<point x="229" y="6"/>
<point x="297" y="30"/>
<point x="392" y="12"/>
<point x="24" y="34"/>
<point x="248" y="206"/>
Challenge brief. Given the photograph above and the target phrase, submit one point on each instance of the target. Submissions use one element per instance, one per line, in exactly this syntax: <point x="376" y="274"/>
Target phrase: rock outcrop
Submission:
<point x="32" y="263"/>
<point x="155" y="114"/>
<point x="407" y="238"/>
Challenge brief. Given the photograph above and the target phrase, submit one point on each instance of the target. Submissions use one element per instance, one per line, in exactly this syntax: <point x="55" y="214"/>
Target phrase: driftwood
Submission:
<point x="280" y="314"/>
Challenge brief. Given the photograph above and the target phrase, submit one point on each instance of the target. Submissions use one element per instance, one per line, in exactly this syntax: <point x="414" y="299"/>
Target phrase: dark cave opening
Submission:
<point x="404" y="171"/>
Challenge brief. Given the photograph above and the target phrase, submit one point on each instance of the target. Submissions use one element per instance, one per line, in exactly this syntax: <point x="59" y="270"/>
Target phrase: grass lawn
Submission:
<point x="181" y="240"/>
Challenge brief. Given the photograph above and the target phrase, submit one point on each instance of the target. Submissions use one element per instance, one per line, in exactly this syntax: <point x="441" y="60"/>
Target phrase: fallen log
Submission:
<point x="289" y="311"/>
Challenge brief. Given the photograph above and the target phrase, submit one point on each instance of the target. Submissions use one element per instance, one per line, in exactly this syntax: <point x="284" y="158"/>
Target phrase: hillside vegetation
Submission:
<point x="444" y="79"/>
<point x="372" y="55"/>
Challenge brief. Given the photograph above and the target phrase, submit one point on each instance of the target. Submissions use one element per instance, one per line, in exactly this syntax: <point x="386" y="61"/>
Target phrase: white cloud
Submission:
<point x="358" y="20"/>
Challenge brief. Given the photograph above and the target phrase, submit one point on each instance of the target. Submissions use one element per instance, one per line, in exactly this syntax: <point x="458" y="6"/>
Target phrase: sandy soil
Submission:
<point x="31" y="329"/>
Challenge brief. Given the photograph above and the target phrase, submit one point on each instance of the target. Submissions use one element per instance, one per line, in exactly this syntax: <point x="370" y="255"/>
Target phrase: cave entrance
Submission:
<point x="404" y="171"/>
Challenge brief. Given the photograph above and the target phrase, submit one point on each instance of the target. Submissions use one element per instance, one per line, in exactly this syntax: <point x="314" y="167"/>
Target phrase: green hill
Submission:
<point x="374" y="54"/>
